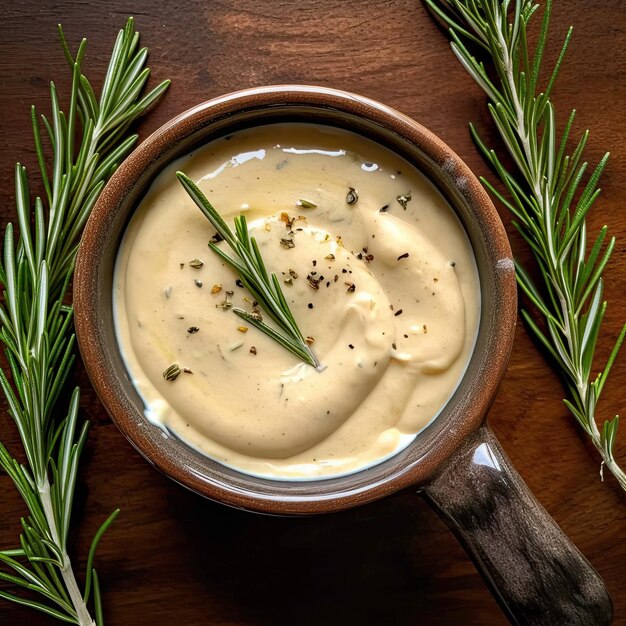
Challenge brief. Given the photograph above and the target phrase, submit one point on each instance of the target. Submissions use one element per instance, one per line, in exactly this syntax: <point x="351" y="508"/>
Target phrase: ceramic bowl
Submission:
<point x="537" y="575"/>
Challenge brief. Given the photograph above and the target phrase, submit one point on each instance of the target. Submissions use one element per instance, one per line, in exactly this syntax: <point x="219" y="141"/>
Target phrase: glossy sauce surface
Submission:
<point x="378" y="273"/>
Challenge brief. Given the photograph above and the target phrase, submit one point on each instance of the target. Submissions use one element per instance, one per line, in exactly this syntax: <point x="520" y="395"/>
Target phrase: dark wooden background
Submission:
<point x="173" y="558"/>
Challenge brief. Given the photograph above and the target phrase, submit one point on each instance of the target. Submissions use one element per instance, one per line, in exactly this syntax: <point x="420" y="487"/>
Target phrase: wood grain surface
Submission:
<point x="173" y="558"/>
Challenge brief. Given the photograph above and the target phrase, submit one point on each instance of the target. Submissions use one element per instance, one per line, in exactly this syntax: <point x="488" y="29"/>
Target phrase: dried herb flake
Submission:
<point x="172" y="372"/>
<point x="404" y="200"/>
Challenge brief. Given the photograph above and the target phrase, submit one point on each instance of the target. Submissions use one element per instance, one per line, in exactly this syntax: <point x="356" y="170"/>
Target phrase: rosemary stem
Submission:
<point x="522" y="131"/>
<point x="87" y="143"/>
<point x="546" y="200"/>
<point x="614" y="468"/>
<point x="581" y="382"/>
<point x="67" y="572"/>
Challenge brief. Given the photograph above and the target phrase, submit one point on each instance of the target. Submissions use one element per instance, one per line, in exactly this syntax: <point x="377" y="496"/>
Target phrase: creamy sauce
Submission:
<point x="386" y="287"/>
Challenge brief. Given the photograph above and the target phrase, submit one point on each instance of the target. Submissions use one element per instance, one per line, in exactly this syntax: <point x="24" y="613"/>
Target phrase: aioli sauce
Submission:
<point x="379" y="274"/>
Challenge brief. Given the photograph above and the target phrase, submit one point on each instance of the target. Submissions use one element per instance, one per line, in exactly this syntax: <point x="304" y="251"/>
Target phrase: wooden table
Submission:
<point x="174" y="558"/>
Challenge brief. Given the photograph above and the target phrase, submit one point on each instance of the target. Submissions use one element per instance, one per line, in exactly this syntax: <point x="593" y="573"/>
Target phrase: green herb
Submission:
<point x="172" y="372"/>
<point x="546" y="197"/>
<point x="306" y="204"/>
<point x="36" y="326"/>
<point x="249" y="265"/>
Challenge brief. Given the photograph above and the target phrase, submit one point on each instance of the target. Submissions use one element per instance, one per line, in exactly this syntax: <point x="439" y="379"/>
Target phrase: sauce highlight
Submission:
<point x="379" y="275"/>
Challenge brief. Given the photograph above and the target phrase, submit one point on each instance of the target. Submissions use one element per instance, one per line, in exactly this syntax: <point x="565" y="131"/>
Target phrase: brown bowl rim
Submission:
<point x="88" y="317"/>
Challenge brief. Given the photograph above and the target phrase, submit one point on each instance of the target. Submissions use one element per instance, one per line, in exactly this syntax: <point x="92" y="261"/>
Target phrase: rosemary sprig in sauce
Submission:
<point x="264" y="287"/>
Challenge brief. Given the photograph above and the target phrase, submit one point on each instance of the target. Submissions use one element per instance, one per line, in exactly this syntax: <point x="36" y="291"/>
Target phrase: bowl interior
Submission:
<point x="94" y="311"/>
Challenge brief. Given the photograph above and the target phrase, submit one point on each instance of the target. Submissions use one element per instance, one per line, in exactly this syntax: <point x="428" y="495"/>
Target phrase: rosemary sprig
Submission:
<point x="547" y="198"/>
<point x="264" y="287"/>
<point x="36" y="328"/>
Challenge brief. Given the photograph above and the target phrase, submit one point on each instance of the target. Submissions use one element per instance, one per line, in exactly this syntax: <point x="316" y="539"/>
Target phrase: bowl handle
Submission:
<point x="535" y="572"/>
